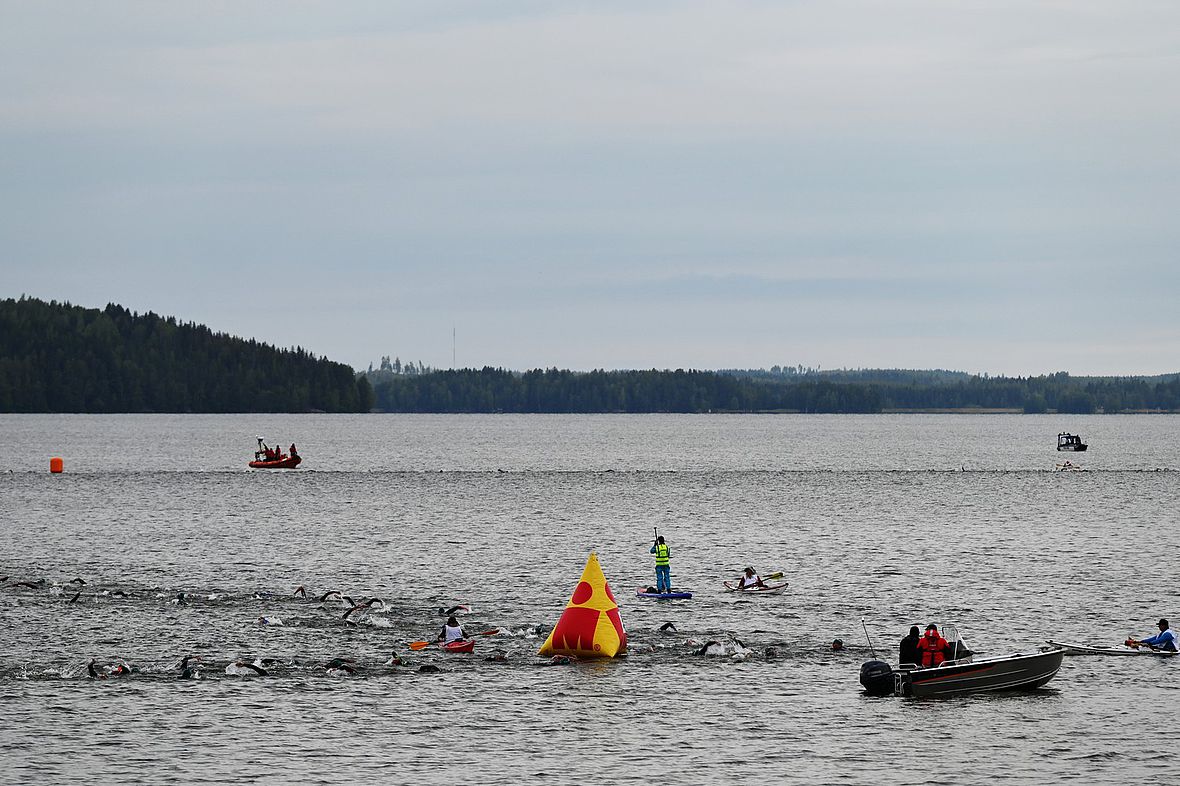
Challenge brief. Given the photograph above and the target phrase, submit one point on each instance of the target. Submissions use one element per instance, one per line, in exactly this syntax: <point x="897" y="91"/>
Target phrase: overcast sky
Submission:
<point x="981" y="186"/>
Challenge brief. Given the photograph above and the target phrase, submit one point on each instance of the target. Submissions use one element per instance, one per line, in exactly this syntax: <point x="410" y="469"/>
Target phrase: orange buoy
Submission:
<point x="56" y="465"/>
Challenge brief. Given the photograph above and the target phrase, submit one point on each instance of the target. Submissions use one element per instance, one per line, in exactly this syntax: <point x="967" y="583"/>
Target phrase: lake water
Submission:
<point x="898" y="520"/>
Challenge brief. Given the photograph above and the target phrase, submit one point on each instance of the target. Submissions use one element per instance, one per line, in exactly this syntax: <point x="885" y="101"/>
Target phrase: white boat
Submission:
<point x="763" y="589"/>
<point x="1084" y="649"/>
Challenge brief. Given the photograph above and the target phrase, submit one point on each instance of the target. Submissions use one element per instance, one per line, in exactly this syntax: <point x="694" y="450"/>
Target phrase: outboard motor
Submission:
<point x="877" y="678"/>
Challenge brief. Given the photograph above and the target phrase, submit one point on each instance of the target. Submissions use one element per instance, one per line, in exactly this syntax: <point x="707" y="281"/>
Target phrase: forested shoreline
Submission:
<point x="56" y="357"/>
<point x="561" y="391"/>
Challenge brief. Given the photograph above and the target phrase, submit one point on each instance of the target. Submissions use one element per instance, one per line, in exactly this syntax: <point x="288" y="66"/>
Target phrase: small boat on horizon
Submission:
<point x="274" y="458"/>
<point x="284" y="462"/>
<point x="1067" y="441"/>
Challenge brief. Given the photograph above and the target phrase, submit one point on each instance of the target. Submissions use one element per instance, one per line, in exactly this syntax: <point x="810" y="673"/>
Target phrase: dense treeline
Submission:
<point x="498" y="390"/>
<point x="55" y="357"/>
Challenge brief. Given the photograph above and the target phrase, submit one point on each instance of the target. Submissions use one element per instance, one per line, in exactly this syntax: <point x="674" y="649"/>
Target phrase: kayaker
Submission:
<point x="750" y="579"/>
<point x="663" y="564"/>
<point x="451" y="631"/>
<point x="1164" y="640"/>
<point x="932" y="647"/>
<point x="908" y="652"/>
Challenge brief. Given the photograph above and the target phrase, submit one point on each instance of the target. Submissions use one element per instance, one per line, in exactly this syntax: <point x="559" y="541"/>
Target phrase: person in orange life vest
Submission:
<point x="932" y="647"/>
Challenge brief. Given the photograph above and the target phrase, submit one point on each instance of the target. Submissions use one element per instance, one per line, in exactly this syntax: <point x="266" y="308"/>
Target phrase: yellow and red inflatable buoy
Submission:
<point x="590" y="626"/>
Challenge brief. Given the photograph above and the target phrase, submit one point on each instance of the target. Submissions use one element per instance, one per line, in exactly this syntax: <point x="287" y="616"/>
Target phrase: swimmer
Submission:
<point x="30" y="584"/>
<point x="499" y="657"/>
<point x="837" y="645"/>
<point x="711" y="649"/>
<point x="397" y="660"/>
<point x="328" y="594"/>
<point x="188" y="672"/>
<point x="180" y="599"/>
<point x="241" y="668"/>
<point x="75" y="598"/>
<point x="430" y="669"/>
<point x="453" y="610"/>
<point x="300" y="592"/>
<point x="81" y="582"/>
<point x="340" y="667"/>
<point x="276" y="621"/>
<point x="667" y="627"/>
<point x="94" y="673"/>
<point x="559" y="660"/>
<point x="122" y="670"/>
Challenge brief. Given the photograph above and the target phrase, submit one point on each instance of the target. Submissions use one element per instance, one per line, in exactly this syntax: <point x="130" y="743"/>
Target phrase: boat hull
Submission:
<point x="643" y="593"/>
<point x="1016" y="672"/>
<point x="290" y="462"/>
<point x="1084" y="649"/>
<point x="769" y="589"/>
<point x="459" y="645"/>
<point x="1011" y="673"/>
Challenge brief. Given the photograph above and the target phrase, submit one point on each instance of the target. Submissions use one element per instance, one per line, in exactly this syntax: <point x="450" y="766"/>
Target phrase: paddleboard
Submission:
<point x="643" y="593"/>
<point x="1083" y="649"/>
<point x="767" y="589"/>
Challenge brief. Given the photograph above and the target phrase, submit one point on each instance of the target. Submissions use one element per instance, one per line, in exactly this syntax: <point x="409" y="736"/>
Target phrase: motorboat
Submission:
<point x="284" y="462"/>
<point x="1066" y="441"/>
<point x="963" y="675"/>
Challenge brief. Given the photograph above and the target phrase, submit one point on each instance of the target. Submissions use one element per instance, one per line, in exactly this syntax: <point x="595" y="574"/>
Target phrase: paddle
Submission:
<point x="421" y="645"/>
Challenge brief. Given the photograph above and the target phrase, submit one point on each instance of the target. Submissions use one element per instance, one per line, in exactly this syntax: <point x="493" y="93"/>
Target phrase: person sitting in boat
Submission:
<point x="1164" y="640"/>
<point x="932" y="647"/>
<point x="750" y="579"/>
<point x="452" y="631"/>
<point x="293" y="451"/>
<point x="908" y="651"/>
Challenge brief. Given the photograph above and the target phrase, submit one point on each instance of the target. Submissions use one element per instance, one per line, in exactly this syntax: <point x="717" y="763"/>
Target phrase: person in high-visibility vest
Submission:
<point x="663" y="567"/>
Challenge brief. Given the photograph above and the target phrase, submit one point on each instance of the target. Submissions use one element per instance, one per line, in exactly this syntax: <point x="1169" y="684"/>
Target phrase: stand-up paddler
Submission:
<point x="663" y="564"/>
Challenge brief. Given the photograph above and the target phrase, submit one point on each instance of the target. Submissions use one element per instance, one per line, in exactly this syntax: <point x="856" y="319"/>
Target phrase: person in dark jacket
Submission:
<point x="908" y="652"/>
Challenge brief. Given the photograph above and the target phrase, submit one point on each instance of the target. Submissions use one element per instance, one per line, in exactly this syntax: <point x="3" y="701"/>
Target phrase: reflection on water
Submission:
<point x="897" y="520"/>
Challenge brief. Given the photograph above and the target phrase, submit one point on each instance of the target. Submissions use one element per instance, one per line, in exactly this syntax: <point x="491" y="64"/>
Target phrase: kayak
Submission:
<point x="1083" y="649"/>
<point x="459" y="645"/>
<point x="643" y="593"/>
<point x="765" y="589"/>
<point x="287" y="462"/>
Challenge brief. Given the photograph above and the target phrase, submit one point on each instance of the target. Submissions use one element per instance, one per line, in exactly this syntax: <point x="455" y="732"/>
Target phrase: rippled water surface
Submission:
<point x="898" y="520"/>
